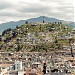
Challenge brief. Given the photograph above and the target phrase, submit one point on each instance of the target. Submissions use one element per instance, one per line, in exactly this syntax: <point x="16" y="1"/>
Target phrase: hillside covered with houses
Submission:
<point x="37" y="36"/>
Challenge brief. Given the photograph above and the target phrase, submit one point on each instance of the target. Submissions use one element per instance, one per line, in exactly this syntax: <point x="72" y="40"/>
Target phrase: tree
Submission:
<point x="60" y="22"/>
<point x="26" y="22"/>
<point x="55" y="22"/>
<point x="71" y="41"/>
<point x="44" y="68"/>
<point x="40" y="28"/>
<point x="14" y="34"/>
<point x="43" y="20"/>
<point x="19" y="47"/>
<point x="17" y="27"/>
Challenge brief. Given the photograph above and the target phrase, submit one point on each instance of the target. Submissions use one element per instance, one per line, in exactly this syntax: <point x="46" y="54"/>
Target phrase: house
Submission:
<point x="4" y="69"/>
<point x="18" y="65"/>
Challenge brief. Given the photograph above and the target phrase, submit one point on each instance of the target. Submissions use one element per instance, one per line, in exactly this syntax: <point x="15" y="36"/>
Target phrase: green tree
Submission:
<point x="71" y="41"/>
<point x="19" y="47"/>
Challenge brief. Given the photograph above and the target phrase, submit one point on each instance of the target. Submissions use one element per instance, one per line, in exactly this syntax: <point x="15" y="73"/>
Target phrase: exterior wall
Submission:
<point x="11" y="68"/>
<point x="21" y="72"/>
<point x="4" y="72"/>
<point x="13" y="73"/>
<point x="18" y="65"/>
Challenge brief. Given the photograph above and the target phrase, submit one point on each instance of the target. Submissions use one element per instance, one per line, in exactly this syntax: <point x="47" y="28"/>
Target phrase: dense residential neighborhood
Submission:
<point x="32" y="63"/>
<point x="37" y="37"/>
<point x="38" y="49"/>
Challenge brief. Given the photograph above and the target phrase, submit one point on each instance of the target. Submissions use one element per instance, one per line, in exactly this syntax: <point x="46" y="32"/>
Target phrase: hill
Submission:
<point x="36" y="37"/>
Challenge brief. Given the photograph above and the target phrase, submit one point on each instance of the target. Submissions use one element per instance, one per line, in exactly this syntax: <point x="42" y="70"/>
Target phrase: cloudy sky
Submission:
<point x="14" y="10"/>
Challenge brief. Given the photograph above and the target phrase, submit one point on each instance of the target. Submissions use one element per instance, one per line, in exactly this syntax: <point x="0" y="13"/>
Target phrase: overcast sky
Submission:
<point x="14" y="10"/>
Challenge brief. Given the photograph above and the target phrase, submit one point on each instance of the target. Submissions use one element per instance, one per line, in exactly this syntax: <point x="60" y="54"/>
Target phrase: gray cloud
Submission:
<point x="5" y="4"/>
<point x="22" y="9"/>
<point x="34" y="9"/>
<point x="66" y="10"/>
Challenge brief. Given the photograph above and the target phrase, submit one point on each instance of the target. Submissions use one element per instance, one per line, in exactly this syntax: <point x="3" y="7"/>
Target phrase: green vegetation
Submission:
<point x="35" y="37"/>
